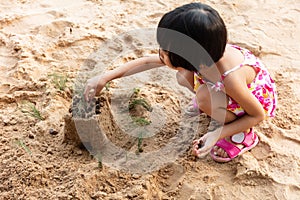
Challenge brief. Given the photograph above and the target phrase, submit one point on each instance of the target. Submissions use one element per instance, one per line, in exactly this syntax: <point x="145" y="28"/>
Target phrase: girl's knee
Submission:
<point x="203" y="98"/>
<point x="213" y="103"/>
<point x="180" y="79"/>
<point x="185" y="78"/>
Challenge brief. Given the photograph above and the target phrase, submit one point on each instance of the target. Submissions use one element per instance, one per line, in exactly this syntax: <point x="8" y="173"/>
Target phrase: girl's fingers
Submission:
<point x="195" y="146"/>
<point x="203" y="151"/>
<point x="89" y="93"/>
<point x="195" y="153"/>
<point x="86" y="92"/>
<point x="198" y="144"/>
<point x="199" y="140"/>
<point x="196" y="141"/>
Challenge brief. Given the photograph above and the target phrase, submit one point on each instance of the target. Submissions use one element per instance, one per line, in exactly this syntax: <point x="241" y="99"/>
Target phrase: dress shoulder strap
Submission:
<point x="231" y="70"/>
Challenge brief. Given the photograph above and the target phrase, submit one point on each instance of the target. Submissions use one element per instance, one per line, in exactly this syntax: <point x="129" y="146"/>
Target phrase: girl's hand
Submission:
<point x="93" y="87"/>
<point x="202" y="146"/>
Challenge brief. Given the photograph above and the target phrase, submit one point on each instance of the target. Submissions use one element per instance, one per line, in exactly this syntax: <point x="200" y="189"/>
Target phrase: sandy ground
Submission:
<point x="44" y="43"/>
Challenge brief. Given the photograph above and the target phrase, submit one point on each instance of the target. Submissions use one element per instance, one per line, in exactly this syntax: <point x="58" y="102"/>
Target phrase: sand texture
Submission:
<point x="49" y="48"/>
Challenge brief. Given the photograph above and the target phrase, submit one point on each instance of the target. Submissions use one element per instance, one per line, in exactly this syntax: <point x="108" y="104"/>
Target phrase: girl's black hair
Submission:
<point x="193" y="35"/>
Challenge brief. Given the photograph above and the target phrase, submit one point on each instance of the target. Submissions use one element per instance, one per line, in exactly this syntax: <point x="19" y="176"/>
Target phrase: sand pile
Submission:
<point x="49" y="48"/>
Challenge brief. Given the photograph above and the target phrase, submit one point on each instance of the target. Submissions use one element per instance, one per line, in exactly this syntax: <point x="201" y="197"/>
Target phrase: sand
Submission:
<point x="47" y="47"/>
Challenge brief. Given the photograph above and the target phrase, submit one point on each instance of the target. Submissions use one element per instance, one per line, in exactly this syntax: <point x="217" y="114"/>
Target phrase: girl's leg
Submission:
<point x="214" y="104"/>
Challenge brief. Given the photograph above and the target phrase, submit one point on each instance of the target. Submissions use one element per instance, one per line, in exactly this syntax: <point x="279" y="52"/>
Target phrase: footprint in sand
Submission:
<point x="171" y="176"/>
<point x="261" y="151"/>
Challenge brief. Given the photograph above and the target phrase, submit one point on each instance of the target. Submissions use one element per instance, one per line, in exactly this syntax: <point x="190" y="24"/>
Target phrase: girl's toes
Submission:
<point x="220" y="152"/>
<point x="215" y="150"/>
<point x="225" y="155"/>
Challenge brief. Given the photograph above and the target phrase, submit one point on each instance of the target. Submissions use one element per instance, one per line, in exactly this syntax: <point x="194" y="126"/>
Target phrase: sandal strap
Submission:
<point x="231" y="150"/>
<point x="249" y="138"/>
<point x="195" y="105"/>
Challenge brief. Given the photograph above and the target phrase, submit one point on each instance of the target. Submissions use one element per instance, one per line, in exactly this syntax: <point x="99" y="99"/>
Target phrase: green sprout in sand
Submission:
<point x="30" y="109"/>
<point x="140" y="140"/>
<point x="99" y="158"/>
<point x="20" y="143"/>
<point x="137" y="119"/>
<point x="107" y="86"/>
<point x="140" y="121"/>
<point x="141" y="102"/>
<point x="138" y="101"/>
<point x="59" y="81"/>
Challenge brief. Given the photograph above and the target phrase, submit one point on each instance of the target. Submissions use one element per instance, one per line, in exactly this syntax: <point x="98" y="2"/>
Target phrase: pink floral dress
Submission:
<point x="262" y="87"/>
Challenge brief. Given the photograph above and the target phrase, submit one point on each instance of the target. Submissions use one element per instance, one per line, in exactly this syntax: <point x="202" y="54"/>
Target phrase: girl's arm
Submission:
<point x="95" y="85"/>
<point x="236" y="88"/>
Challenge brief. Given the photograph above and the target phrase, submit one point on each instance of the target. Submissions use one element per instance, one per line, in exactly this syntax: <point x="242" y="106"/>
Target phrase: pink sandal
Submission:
<point x="193" y="109"/>
<point x="249" y="140"/>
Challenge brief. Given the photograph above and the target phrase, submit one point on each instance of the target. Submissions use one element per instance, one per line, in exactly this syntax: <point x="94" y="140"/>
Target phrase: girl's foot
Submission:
<point x="227" y="149"/>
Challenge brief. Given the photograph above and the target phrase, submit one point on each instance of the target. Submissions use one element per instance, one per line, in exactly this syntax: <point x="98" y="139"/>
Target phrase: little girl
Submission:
<point x="231" y="84"/>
